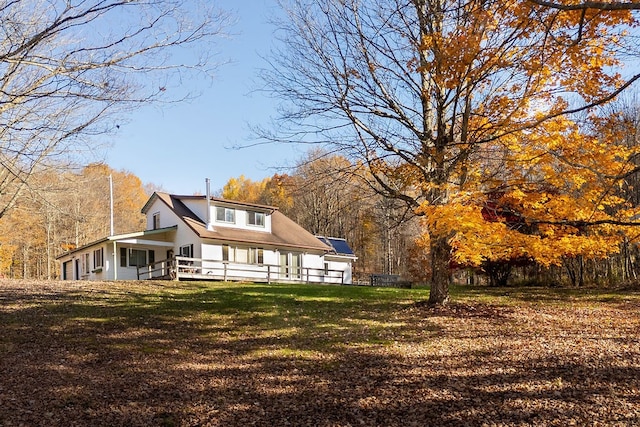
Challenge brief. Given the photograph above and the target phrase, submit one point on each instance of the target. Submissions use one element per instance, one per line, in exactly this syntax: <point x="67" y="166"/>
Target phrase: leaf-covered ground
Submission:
<point x="195" y="354"/>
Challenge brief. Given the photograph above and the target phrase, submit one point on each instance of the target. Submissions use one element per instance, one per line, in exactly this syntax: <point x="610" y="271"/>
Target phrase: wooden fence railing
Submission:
<point x="178" y="267"/>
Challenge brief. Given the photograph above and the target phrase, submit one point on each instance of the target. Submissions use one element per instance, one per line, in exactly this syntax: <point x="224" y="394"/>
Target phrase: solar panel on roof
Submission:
<point x="340" y="246"/>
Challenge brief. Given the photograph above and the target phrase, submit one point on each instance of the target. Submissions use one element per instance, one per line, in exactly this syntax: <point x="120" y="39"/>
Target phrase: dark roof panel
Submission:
<point x="340" y="246"/>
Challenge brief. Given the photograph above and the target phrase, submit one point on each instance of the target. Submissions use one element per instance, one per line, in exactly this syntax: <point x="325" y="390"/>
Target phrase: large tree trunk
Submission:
<point x="440" y="278"/>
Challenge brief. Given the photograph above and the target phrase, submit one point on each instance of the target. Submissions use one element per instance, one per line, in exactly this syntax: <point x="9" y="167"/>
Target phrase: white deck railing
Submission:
<point x="195" y="268"/>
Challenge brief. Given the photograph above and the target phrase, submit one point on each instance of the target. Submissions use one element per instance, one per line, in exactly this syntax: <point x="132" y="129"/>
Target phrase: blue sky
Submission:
<point x="178" y="146"/>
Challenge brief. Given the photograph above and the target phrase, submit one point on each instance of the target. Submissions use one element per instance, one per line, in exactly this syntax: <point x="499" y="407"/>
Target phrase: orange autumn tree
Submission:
<point x="448" y="101"/>
<point x="549" y="200"/>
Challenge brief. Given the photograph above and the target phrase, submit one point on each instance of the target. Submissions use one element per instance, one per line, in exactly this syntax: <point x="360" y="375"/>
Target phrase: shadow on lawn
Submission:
<point x="548" y="295"/>
<point x="274" y="355"/>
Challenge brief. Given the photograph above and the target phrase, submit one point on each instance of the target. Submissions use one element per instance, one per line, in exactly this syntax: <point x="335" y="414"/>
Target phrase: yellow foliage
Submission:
<point x="245" y="190"/>
<point x="6" y="258"/>
<point x="553" y="184"/>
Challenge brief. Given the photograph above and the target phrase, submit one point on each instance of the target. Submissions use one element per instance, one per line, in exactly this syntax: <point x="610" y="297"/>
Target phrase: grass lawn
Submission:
<point x="219" y="354"/>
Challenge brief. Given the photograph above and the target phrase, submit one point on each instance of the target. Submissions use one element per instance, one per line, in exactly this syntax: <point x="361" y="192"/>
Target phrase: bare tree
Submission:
<point x="68" y="69"/>
<point x="422" y="91"/>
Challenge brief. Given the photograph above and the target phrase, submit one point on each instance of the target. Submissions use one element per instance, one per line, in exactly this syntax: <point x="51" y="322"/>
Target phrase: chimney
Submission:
<point x="208" y="196"/>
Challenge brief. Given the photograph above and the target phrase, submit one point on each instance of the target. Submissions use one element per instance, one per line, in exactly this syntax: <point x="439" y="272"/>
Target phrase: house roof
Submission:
<point x="284" y="232"/>
<point x="217" y="200"/>
<point x="119" y="237"/>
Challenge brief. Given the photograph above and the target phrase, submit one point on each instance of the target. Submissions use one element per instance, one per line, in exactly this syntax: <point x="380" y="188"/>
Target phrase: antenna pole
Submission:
<point x="111" y="201"/>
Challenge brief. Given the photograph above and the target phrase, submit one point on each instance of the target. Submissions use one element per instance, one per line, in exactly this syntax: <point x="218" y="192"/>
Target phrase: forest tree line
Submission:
<point x="325" y="193"/>
<point x="65" y="211"/>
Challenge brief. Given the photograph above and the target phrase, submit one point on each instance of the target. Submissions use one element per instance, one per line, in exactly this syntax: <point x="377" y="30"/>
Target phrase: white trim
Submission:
<point x="146" y="242"/>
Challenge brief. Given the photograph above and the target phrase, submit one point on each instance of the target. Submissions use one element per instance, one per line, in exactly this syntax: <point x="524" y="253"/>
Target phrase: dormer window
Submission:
<point x="156" y="220"/>
<point x="255" y="218"/>
<point x="225" y="214"/>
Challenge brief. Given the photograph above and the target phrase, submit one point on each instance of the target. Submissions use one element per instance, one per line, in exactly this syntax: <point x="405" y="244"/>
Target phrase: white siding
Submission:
<point x="271" y="257"/>
<point x="93" y="273"/>
<point x="212" y="251"/>
<point x="131" y="273"/>
<point x="167" y="217"/>
<point x="340" y="270"/>
<point x="314" y="261"/>
<point x="198" y="207"/>
<point x="184" y="235"/>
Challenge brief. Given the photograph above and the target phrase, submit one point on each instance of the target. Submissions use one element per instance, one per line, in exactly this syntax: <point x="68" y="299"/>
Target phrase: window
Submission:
<point x="242" y="255"/>
<point x="130" y="257"/>
<point x="186" y="251"/>
<point x="326" y="268"/>
<point x="86" y="267"/>
<point x="156" y="220"/>
<point x="296" y="264"/>
<point x="225" y="214"/>
<point x="255" y="218"/>
<point x="98" y="258"/>
<point x="123" y="257"/>
<point x="137" y="257"/>
<point x="256" y="256"/>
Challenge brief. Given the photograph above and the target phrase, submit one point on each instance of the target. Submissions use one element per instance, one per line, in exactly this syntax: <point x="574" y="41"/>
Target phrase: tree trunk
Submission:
<point x="440" y="253"/>
<point x="498" y="273"/>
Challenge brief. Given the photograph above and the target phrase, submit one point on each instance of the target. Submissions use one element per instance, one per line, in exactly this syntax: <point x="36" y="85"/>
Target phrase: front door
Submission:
<point x="67" y="270"/>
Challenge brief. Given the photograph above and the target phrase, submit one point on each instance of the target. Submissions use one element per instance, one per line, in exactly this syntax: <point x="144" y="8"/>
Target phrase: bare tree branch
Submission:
<point x="599" y="5"/>
<point x="69" y="70"/>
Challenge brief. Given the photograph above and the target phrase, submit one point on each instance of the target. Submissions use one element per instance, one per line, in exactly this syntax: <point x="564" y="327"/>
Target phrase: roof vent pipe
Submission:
<point x="208" y="184"/>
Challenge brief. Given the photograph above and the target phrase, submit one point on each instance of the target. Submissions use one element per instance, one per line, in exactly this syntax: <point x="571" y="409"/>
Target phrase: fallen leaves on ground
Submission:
<point x="158" y="354"/>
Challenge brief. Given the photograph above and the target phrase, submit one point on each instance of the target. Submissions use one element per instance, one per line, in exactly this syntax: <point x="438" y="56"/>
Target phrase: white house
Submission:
<point x="200" y="237"/>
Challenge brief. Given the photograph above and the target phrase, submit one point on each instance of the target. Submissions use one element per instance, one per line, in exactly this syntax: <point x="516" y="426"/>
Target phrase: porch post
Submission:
<point x="115" y="259"/>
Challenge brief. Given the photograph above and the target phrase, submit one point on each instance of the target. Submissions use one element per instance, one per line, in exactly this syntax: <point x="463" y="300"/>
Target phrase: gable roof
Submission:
<point x="217" y="200"/>
<point x="285" y="233"/>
